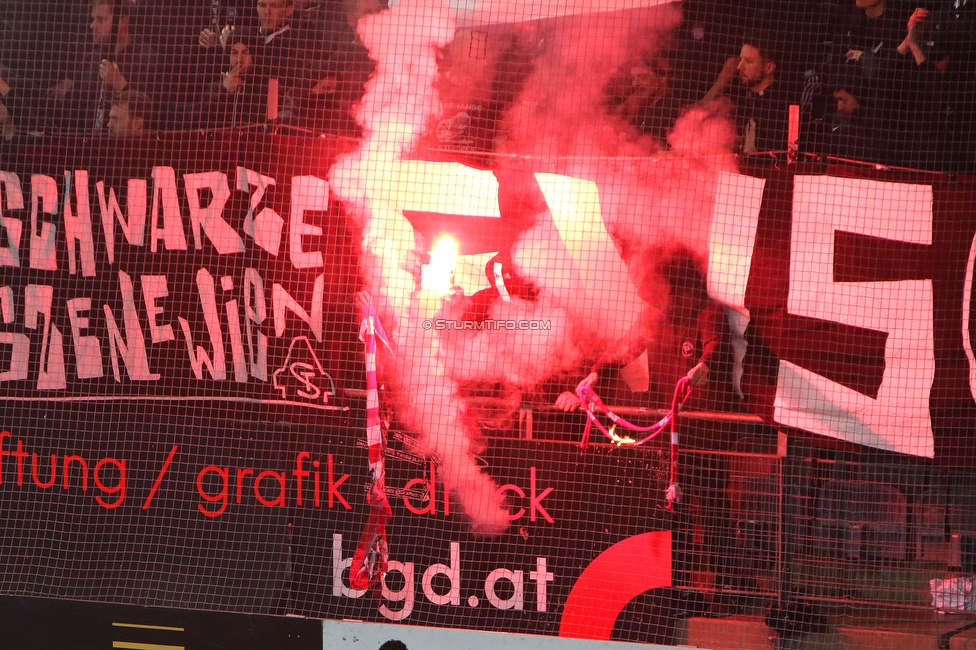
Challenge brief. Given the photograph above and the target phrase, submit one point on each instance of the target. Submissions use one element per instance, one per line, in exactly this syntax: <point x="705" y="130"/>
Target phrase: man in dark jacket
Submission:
<point x="237" y="99"/>
<point x="116" y="62"/>
<point x="760" y="98"/>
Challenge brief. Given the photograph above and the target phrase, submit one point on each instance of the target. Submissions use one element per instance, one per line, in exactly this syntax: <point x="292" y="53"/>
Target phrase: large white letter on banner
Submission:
<point x="731" y="241"/>
<point x="898" y="419"/>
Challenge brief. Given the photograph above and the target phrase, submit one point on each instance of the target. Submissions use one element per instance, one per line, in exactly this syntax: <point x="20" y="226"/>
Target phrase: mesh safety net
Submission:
<point x="308" y="306"/>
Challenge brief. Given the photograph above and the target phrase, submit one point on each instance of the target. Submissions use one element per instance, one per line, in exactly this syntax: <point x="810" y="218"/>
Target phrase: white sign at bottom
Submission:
<point x="353" y="635"/>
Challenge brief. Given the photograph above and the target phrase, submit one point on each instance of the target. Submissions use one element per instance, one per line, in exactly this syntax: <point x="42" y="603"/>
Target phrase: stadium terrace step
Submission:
<point x="746" y="631"/>
<point x="965" y="640"/>
<point x="905" y="585"/>
<point x="749" y="631"/>
<point x="917" y="638"/>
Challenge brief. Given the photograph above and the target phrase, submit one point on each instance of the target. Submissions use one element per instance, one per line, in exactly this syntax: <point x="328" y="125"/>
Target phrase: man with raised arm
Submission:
<point x="759" y="99"/>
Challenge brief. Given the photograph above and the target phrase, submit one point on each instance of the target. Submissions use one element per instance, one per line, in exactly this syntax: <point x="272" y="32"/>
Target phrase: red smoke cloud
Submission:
<point x="630" y="198"/>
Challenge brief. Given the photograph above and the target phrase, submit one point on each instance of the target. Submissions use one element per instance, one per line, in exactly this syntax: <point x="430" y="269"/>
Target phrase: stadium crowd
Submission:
<point x="182" y="65"/>
<point x="887" y="81"/>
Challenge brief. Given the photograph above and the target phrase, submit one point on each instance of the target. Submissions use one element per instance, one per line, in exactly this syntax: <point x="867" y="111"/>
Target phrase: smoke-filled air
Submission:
<point x="594" y="207"/>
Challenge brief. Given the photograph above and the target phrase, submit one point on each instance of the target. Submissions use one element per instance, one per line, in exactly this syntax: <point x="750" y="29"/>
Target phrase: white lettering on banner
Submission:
<point x="281" y="300"/>
<point x="731" y="241"/>
<point x="516" y="600"/>
<point x="967" y="303"/>
<point x="233" y="314"/>
<point x="898" y="419"/>
<point x="88" y="351"/>
<point x="11" y="191"/>
<point x="435" y="187"/>
<point x="247" y="179"/>
<point x="307" y="193"/>
<point x="210" y="219"/>
<point x="255" y="310"/>
<point x="403" y="595"/>
<point x="166" y="219"/>
<point x="19" y="343"/>
<point x="7" y="304"/>
<point x="133" y="227"/>
<point x="200" y="358"/>
<point x="339" y="566"/>
<point x="166" y="197"/>
<point x="19" y="356"/>
<point x="268" y="226"/>
<point x="541" y="577"/>
<point x="207" y="196"/>
<point x="265" y="229"/>
<point x="248" y="359"/>
<point x="732" y="237"/>
<point x="452" y="572"/>
<point x="38" y="299"/>
<point x="133" y="345"/>
<point x="44" y="199"/>
<point x="153" y="288"/>
<point x="596" y="265"/>
<point x="78" y="228"/>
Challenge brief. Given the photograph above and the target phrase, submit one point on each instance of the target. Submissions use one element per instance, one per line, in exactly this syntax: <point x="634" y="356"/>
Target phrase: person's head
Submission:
<point x="130" y="115"/>
<point x="393" y="644"/>
<point x="274" y="14"/>
<point x="103" y="19"/>
<point x="756" y="63"/>
<point x="241" y="47"/>
<point x="356" y="9"/>
<point x="846" y="101"/>
<point x="652" y="77"/>
<point x="871" y="8"/>
<point x="685" y="274"/>
<point x="846" y="87"/>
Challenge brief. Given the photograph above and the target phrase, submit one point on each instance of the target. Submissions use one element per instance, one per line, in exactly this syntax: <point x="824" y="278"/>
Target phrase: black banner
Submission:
<point x="859" y="297"/>
<point x="198" y="508"/>
<point x="175" y="433"/>
<point x="47" y="624"/>
<point x="223" y="274"/>
<point x="177" y="332"/>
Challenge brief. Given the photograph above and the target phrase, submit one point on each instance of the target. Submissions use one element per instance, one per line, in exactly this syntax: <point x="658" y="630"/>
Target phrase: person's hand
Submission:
<point x="209" y="39"/>
<point x="910" y="44"/>
<point x="567" y="401"/>
<point x="225" y="34"/>
<point x="363" y="299"/>
<point x="4" y="87"/>
<point x="589" y="380"/>
<point x="110" y="74"/>
<point x="724" y="78"/>
<point x="854" y="55"/>
<point x="917" y="18"/>
<point x="730" y="66"/>
<point x="324" y="86"/>
<point x="698" y="376"/>
<point x="233" y="79"/>
<point x="6" y="123"/>
<point x="61" y="89"/>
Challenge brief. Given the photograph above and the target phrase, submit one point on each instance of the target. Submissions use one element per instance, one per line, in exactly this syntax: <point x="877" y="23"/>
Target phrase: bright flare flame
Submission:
<point x="438" y="276"/>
